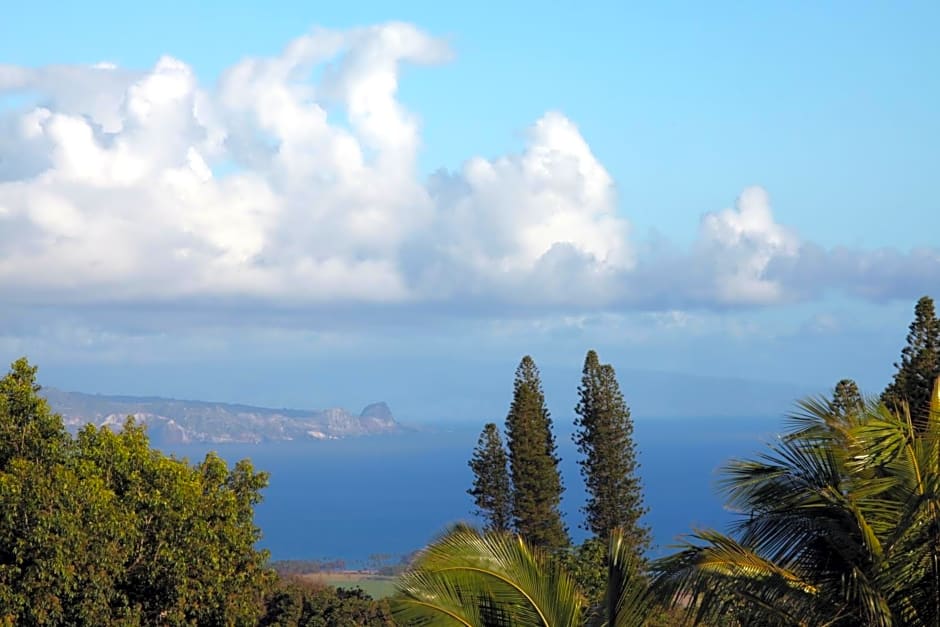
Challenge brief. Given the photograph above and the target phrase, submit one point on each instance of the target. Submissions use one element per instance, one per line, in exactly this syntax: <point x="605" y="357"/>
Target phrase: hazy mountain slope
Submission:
<point x="180" y="421"/>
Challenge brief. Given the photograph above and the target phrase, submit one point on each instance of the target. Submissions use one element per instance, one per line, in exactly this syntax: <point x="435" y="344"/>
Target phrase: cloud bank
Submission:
<point x="293" y="182"/>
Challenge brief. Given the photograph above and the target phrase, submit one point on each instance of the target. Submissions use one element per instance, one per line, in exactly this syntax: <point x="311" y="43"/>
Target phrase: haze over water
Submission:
<point x="354" y="498"/>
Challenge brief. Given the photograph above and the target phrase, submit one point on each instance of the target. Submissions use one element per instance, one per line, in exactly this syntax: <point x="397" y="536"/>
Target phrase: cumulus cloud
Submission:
<point x="293" y="182"/>
<point x="740" y="243"/>
<point x="729" y="264"/>
<point x="120" y="199"/>
<point x="541" y="225"/>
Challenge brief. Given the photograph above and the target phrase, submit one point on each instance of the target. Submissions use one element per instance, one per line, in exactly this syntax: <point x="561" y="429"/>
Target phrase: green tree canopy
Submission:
<point x="846" y="399"/>
<point x="920" y="363"/>
<point x="103" y="529"/>
<point x="491" y="491"/>
<point x="533" y="462"/>
<point x="28" y="428"/>
<point x="609" y="465"/>
<point x="296" y="602"/>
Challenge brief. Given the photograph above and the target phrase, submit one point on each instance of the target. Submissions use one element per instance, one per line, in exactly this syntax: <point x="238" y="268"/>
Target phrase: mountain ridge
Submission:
<point x="184" y="421"/>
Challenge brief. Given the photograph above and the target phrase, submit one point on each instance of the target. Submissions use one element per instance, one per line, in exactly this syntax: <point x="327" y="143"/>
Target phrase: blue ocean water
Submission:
<point x="353" y="498"/>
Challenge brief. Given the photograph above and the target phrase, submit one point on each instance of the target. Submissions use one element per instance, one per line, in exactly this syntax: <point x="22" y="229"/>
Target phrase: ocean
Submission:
<point x="354" y="498"/>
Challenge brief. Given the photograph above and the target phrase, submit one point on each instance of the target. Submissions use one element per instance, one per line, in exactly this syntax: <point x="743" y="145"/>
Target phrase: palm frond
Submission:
<point x="713" y="574"/>
<point x="629" y="600"/>
<point x="839" y="524"/>
<point x="472" y="578"/>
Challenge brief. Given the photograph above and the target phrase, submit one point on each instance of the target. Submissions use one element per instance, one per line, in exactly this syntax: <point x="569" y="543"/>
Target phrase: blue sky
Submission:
<point x="500" y="179"/>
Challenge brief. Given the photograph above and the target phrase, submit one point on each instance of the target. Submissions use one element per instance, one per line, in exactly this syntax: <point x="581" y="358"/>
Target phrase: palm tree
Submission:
<point x="494" y="579"/>
<point x="840" y="526"/>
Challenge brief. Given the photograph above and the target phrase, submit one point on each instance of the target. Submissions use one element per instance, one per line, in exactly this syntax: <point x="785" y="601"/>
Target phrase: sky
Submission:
<point x="313" y="204"/>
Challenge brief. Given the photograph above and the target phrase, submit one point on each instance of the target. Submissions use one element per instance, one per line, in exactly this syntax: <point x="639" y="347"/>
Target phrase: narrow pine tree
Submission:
<point x="533" y="463"/>
<point x="920" y="363"/>
<point x="846" y="399"/>
<point x="491" y="491"/>
<point x="609" y="466"/>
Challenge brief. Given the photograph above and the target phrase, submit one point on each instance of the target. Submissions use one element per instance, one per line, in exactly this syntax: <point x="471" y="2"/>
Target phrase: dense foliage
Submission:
<point x="609" y="465"/>
<point x="103" y="529"/>
<point x="533" y="463"/>
<point x="840" y="526"/>
<point x="296" y="602"/>
<point x="492" y="490"/>
<point x="920" y="363"/>
<point x="846" y="398"/>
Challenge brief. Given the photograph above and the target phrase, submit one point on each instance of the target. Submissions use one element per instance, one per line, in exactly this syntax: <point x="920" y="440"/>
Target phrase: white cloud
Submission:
<point x="740" y="243"/>
<point x="323" y="203"/>
<point x="540" y="226"/>
<point x="293" y="183"/>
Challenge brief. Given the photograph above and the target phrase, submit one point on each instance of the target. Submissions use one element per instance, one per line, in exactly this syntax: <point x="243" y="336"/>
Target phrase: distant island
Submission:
<point x="173" y="421"/>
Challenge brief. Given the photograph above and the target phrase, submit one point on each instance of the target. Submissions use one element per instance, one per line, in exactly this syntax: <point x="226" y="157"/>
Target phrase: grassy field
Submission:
<point x="376" y="586"/>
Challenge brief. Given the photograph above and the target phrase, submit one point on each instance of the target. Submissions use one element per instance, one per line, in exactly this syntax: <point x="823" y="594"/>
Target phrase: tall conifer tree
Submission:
<point x="920" y="363"/>
<point x="846" y="399"/>
<point x="609" y="466"/>
<point x="533" y="463"/>
<point x="491" y="491"/>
